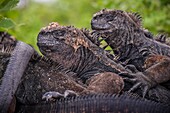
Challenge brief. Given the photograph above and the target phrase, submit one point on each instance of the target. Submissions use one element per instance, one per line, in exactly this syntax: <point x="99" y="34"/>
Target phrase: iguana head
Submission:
<point x="58" y="42"/>
<point x="117" y="25"/>
<point x="114" y="19"/>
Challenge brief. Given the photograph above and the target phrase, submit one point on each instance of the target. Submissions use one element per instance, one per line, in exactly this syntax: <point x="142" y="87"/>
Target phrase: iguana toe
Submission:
<point x="70" y="93"/>
<point x="145" y="90"/>
<point x="140" y="81"/>
<point x="52" y="95"/>
<point x="136" y="86"/>
<point x="132" y="68"/>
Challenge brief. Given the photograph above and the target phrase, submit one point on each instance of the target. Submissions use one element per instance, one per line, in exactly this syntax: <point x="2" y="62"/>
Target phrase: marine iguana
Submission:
<point x="124" y="34"/>
<point x="54" y="39"/>
<point x="32" y="88"/>
<point x="44" y="80"/>
<point x="42" y="75"/>
<point x="68" y="46"/>
<point x="99" y="103"/>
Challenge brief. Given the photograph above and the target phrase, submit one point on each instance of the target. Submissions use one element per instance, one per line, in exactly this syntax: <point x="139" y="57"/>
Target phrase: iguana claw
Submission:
<point x="140" y="81"/>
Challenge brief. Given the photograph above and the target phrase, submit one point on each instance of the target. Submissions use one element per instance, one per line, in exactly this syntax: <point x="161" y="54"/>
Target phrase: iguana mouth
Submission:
<point x="48" y="40"/>
<point x="48" y="43"/>
<point x="103" y="27"/>
<point x="98" y="27"/>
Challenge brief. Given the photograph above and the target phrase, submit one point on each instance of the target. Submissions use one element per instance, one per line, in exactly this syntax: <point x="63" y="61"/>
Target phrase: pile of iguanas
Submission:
<point x="77" y="75"/>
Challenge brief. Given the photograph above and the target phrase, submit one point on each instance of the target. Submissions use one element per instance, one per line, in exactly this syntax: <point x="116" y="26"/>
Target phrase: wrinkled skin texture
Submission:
<point x="40" y="76"/>
<point x="118" y="29"/>
<point x="124" y="34"/>
<point x="43" y="75"/>
<point x="163" y="39"/>
<point x="62" y="44"/>
<point x="99" y="103"/>
<point x="133" y="45"/>
<point x="75" y="39"/>
<point x="106" y="83"/>
<point x="163" y="61"/>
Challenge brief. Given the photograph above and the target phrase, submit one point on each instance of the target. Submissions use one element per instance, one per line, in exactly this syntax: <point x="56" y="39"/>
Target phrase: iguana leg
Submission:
<point x="106" y="82"/>
<point x="132" y="68"/>
<point x="139" y="80"/>
<point x="157" y="73"/>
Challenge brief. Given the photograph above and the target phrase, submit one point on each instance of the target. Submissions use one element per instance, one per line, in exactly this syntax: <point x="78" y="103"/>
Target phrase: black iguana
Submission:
<point x="67" y="45"/>
<point x="99" y="103"/>
<point x="43" y="75"/>
<point x="133" y="45"/>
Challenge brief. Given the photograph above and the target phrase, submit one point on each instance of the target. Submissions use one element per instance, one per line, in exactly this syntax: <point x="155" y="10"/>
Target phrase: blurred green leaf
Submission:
<point x="6" y="5"/>
<point x="6" y="23"/>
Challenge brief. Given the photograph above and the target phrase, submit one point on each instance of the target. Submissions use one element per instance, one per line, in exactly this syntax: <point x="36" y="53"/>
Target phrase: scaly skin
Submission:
<point x="68" y="46"/>
<point x="133" y="44"/>
<point x="33" y="84"/>
<point x="54" y="39"/>
<point x="105" y="103"/>
<point x="123" y="30"/>
<point x="154" y="59"/>
<point x="162" y="61"/>
<point x="36" y="77"/>
<point x="43" y="75"/>
<point x="73" y="49"/>
<point x="163" y="39"/>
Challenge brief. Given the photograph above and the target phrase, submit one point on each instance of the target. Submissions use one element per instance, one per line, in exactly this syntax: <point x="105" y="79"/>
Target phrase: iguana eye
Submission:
<point x="59" y="33"/>
<point x="109" y="17"/>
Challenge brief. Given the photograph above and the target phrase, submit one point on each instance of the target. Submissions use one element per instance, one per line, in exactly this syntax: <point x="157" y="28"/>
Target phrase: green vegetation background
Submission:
<point x="27" y="21"/>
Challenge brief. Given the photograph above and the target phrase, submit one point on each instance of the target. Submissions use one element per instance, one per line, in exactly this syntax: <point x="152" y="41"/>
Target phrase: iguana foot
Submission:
<point x="140" y="80"/>
<point x="132" y="68"/>
<point x="52" y="95"/>
<point x="70" y="93"/>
